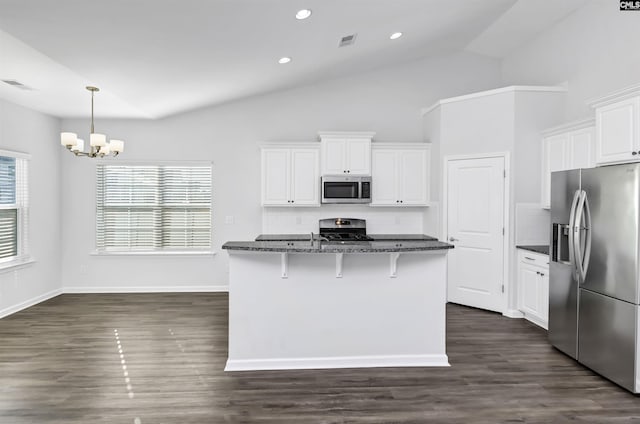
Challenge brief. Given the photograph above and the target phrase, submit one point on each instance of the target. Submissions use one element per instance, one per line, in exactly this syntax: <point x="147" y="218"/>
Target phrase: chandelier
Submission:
<point x="98" y="146"/>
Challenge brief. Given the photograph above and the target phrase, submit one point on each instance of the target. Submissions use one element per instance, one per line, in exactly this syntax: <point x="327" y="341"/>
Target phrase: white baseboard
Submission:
<point x="27" y="303"/>
<point x="337" y="362"/>
<point x="513" y="313"/>
<point x="145" y="289"/>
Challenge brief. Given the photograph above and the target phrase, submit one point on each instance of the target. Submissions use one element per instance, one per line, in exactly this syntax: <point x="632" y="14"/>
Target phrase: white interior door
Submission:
<point x="475" y="221"/>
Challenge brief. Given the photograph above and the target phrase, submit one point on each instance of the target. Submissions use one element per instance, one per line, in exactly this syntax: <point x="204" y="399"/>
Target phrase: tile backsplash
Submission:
<point x="532" y="224"/>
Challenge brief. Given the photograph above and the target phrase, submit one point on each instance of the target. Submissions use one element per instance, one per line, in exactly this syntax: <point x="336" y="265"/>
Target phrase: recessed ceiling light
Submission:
<point x="303" y="14"/>
<point x="395" y="35"/>
<point x="284" y="60"/>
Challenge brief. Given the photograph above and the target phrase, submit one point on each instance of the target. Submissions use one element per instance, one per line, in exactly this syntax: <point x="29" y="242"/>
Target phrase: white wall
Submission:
<point x="594" y="50"/>
<point x="386" y="101"/>
<point x="24" y="130"/>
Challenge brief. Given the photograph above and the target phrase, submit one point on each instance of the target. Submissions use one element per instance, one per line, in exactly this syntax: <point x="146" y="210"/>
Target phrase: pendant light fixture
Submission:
<point x="98" y="146"/>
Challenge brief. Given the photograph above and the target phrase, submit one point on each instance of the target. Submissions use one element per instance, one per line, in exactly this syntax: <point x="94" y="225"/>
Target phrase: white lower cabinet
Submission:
<point x="533" y="287"/>
<point x="400" y="174"/>
<point x="290" y="176"/>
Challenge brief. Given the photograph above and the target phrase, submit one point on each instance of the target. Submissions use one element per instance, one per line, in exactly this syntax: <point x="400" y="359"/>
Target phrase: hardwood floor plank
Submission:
<point x="60" y="362"/>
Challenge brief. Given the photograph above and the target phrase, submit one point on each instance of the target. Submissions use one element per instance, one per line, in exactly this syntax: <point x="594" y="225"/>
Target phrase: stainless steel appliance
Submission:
<point x="594" y="270"/>
<point x="344" y="230"/>
<point x="346" y="189"/>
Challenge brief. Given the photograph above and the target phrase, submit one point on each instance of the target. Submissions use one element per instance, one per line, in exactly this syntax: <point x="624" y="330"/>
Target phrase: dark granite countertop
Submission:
<point x="375" y="237"/>
<point x="543" y="249"/>
<point x="326" y="247"/>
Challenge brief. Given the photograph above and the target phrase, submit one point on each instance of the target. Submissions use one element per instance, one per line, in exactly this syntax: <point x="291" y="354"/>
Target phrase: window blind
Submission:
<point x="14" y="203"/>
<point x="153" y="208"/>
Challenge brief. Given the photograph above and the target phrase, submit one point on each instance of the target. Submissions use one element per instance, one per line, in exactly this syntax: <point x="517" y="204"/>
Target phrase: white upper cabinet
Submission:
<point x="580" y="148"/>
<point x="290" y="176"/>
<point x="570" y="146"/>
<point x="305" y="178"/>
<point x="618" y="126"/>
<point x="346" y="153"/>
<point x="400" y="174"/>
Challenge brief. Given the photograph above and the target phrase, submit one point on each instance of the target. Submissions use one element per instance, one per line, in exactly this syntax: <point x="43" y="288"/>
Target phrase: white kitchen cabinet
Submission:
<point x="290" y="176"/>
<point x="570" y="146"/>
<point x="346" y="153"/>
<point x="533" y="287"/>
<point x="618" y="126"/>
<point x="400" y="174"/>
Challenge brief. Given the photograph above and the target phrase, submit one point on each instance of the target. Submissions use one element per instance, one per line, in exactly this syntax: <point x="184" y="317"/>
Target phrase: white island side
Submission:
<point x="296" y="306"/>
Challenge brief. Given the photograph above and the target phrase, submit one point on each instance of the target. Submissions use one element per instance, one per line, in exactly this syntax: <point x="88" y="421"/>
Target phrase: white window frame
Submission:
<point x="23" y="256"/>
<point x="152" y="252"/>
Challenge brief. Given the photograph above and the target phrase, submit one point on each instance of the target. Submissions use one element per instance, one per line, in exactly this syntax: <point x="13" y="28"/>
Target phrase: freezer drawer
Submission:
<point x="607" y="337"/>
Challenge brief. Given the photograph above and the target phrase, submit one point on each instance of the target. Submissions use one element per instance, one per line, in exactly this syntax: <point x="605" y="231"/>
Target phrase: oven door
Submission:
<point x="340" y="190"/>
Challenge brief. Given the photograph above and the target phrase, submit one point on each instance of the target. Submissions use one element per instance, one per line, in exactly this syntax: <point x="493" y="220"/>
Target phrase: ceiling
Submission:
<point x="155" y="58"/>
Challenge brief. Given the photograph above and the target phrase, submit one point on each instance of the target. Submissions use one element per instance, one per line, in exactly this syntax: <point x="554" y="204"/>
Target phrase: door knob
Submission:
<point x="453" y="239"/>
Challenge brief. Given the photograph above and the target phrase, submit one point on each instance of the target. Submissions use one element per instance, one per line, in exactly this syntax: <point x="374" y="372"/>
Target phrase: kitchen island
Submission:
<point x="312" y="304"/>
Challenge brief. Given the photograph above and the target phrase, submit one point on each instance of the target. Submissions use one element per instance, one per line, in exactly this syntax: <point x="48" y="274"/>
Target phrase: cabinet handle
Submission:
<point x="634" y="153"/>
<point x="348" y="171"/>
<point x="528" y="258"/>
<point x="401" y="201"/>
<point x="542" y="273"/>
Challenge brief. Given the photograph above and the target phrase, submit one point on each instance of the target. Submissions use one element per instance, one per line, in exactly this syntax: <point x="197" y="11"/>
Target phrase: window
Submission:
<point x="153" y="208"/>
<point x="14" y="209"/>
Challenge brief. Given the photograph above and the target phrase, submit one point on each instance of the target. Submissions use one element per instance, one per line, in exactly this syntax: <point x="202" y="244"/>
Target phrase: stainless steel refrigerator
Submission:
<point x="594" y="269"/>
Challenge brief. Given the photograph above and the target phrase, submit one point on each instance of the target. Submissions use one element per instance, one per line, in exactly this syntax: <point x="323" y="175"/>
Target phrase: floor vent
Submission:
<point x="347" y="40"/>
<point x="16" y="84"/>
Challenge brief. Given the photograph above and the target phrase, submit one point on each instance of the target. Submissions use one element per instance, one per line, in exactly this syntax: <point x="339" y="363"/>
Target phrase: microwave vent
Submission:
<point x="347" y="40"/>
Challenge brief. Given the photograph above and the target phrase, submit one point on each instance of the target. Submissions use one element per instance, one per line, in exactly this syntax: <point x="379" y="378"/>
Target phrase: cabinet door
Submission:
<point x="384" y="178"/>
<point x="545" y="188"/>
<point x="554" y="158"/>
<point x="530" y="288"/>
<point x="413" y="177"/>
<point x="333" y="156"/>
<point x="580" y="148"/>
<point x="358" y="156"/>
<point x="617" y="131"/>
<point x="305" y="177"/>
<point x="276" y="177"/>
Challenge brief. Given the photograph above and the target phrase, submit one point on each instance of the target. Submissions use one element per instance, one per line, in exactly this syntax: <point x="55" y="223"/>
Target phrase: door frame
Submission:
<point x="506" y="218"/>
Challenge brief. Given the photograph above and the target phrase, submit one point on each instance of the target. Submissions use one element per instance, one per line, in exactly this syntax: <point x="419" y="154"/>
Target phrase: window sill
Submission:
<point x="16" y="264"/>
<point x="180" y="254"/>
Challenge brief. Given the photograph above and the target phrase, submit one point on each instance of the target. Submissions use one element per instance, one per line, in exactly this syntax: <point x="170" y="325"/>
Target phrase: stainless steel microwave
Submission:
<point x="346" y="189"/>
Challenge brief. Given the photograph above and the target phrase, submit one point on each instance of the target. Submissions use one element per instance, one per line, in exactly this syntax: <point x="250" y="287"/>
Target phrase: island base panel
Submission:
<point x="311" y="319"/>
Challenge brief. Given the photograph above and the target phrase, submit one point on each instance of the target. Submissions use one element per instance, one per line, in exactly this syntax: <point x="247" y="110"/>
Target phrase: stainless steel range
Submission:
<point x="343" y="230"/>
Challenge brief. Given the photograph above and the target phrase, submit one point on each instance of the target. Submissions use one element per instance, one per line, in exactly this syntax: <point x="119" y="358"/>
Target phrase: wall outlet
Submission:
<point x="229" y="219"/>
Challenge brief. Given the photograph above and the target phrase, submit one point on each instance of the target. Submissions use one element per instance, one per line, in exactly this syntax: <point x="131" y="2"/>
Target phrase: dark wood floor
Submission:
<point x="60" y="362"/>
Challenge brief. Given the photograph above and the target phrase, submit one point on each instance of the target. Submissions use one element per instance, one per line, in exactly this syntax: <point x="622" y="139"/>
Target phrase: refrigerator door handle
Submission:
<point x="582" y="258"/>
<point x="586" y="256"/>
<point x="572" y="218"/>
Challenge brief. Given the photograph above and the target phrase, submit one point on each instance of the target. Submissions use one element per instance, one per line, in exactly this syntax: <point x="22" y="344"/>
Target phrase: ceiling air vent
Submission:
<point x="17" y="84"/>
<point x="347" y="40"/>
